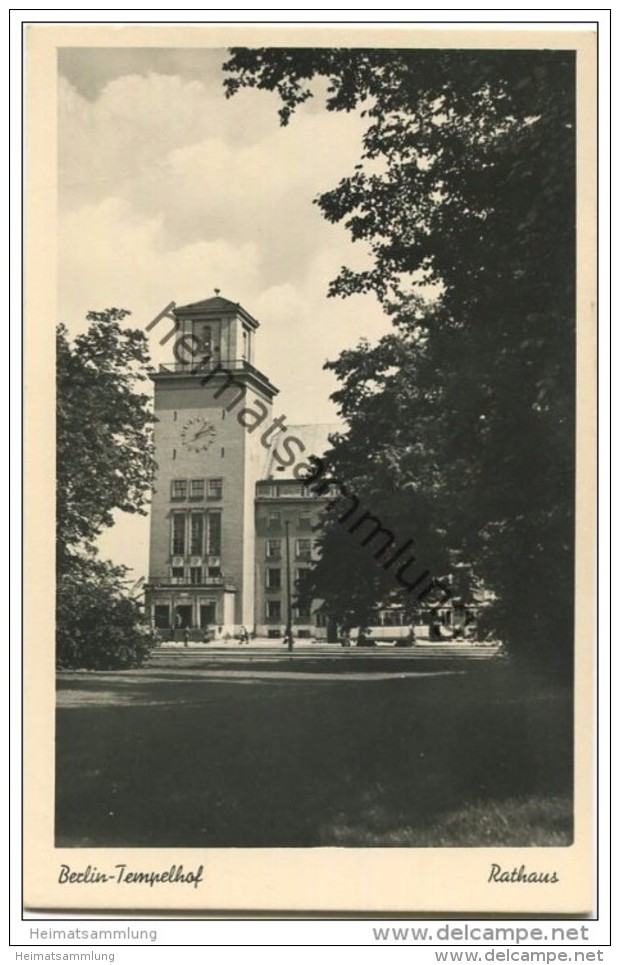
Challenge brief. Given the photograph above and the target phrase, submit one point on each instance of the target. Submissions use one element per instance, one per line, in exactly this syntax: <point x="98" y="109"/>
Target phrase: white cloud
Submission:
<point x="170" y="147"/>
<point x="166" y="204"/>
<point x="137" y="121"/>
<point x="169" y="190"/>
<point x="112" y="257"/>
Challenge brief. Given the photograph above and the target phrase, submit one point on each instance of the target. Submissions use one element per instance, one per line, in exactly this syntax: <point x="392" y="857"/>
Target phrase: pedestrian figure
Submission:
<point x="365" y="638"/>
<point x="206" y="636"/>
<point x="408" y="639"/>
<point x="186" y="637"/>
<point x="244" y="636"/>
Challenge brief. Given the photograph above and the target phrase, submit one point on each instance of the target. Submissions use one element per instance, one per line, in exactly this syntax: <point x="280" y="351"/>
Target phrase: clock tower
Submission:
<point x="209" y="403"/>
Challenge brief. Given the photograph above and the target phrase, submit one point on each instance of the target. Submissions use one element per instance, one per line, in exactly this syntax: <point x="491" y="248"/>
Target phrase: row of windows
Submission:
<point x="274" y="519"/>
<point x="196" y="575"/>
<point x="273" y="577"/>
<point x="302" y="549"/>
<point x="206" y="340"/>
<point x="195" y="489"/>
<point x="284" y="489"/>
<point x="200" y="534"/>
<point x="274" y="611"/>
<point x="196" y="534"/>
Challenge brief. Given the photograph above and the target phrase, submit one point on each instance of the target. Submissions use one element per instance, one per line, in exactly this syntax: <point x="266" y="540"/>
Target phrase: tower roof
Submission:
<point x="214" y="305"/>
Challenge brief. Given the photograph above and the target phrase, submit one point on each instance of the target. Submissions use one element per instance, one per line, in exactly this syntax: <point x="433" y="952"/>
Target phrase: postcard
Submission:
<point x="310" y="332"/>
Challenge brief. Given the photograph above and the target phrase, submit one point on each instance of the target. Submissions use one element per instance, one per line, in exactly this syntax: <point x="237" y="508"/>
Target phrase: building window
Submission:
<point x="267" y="489"/>
<point x="178" y="573"/>
<point x="273" y="549"/>
<point x="215" y="489"/>
<point x="178" y="534"/>
<point x="303" y="549"/>
<point x="274" y="519"/>
<point x="195" y="575"/>
<point x="204" y="349"/>
<point x="215" y="534"/>
<point x="178" y="489"/>
<point x="273" y="578"/>
<point x="306" y="491"/>
<point x="302" y="613"/>
<point x="300" y="576"/>
<point x="274" y="611"/>
<point x="304" y="520"/>
<point x="214" y="572"/>
<point x="196" y="489"/>
<point x="197" y="534"/>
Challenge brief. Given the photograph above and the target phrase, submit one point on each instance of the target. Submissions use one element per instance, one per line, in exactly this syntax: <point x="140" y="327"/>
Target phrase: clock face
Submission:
<point x="197" y="434"/>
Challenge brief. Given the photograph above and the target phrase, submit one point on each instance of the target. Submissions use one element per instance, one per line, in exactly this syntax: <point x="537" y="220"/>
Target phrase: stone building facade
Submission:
<point x="231" y="520"/>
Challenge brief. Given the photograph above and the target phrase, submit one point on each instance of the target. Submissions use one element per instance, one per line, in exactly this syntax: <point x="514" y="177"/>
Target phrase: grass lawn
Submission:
<point x="173" y="756"/>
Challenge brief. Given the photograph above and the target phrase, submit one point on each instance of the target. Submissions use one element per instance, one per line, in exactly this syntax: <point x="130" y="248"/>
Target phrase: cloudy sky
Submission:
<point x="167" y="190"/>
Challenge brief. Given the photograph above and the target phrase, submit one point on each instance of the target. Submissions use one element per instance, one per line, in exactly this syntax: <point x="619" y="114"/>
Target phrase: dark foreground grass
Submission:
<point x="157" y="758"/>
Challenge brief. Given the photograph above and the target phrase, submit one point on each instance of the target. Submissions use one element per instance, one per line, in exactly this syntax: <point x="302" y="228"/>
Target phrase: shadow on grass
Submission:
<point x="535" y="821"/>
<point x="476" y="759"/>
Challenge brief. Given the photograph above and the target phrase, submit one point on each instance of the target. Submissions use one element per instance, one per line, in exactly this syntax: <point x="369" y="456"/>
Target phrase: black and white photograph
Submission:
<point x="323" y="523"/>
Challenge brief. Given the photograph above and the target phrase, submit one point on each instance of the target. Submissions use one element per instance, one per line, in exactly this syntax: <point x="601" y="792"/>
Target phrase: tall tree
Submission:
<point x="465" y="194"/>
<point x="104" y="463"/>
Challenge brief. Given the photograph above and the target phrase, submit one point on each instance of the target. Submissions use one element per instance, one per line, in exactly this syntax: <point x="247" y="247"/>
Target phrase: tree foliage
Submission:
<point x="99" y="626"/>
<point x="105" y="457"/>
<point x="104" y="463"/>
<point x="463" y="419"/>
